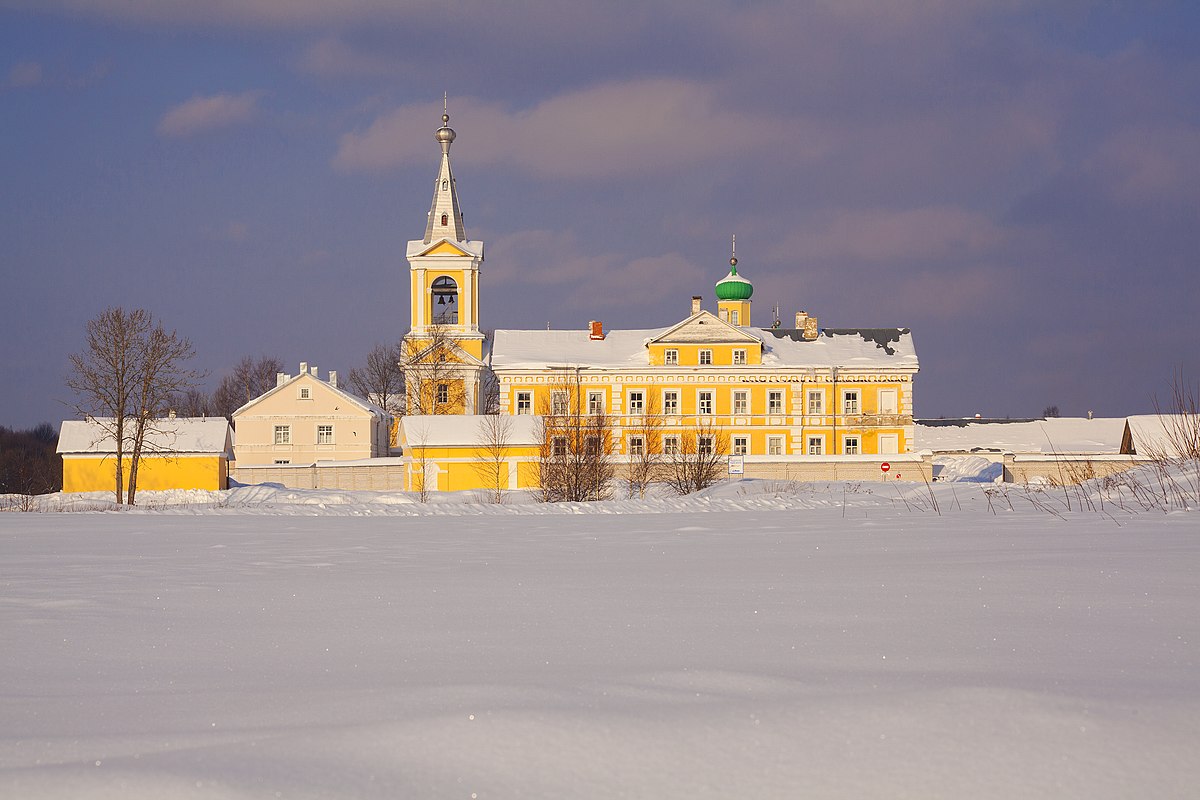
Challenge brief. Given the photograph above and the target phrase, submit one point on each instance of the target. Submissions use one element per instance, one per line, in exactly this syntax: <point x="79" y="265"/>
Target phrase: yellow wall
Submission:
<point x="97" y="474"/>
<point x="458" y="468"/>
<point x="689" y="354"/>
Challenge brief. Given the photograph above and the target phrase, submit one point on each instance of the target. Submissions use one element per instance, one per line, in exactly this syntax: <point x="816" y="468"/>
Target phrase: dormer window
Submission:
<point x="671" y="357"/>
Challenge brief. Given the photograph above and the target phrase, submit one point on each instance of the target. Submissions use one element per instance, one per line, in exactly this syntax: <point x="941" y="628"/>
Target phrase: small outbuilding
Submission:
<point x="178" y="453"/>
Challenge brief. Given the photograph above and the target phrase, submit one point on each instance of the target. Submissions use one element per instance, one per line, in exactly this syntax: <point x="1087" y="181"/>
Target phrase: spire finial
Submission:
<point x="445" y="134"/>
<point x="733" y="256"/>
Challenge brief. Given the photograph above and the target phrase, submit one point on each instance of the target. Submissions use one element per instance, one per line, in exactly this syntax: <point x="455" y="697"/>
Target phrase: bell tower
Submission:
<point x="444" y="264"/>
<point x="443" y="351"/>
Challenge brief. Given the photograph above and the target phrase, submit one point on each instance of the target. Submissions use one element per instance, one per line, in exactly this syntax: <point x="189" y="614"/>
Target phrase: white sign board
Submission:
<point x="737" y="465"/>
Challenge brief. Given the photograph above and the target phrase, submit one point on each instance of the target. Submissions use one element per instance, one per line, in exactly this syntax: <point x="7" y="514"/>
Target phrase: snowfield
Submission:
<point x="763" y="640"/>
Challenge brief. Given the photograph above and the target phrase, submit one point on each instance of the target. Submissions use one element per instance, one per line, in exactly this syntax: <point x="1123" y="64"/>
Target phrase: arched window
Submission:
<point x="445" y="219"/>
<point x="444" y="296"/>
<point x="445" y="185"/>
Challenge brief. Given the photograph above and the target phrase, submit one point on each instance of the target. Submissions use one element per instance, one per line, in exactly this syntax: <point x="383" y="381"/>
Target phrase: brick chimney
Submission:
<point x="597" y="330"/>
<point x="800" y="317"/>
<point x="810" y="328"/>
<point x="695" y="304"/>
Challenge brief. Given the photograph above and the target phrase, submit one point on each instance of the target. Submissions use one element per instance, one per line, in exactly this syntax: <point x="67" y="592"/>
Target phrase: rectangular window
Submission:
<point x="704" y="403"/>
<point x="671" y="444"/>
<point x="283" y="434"/>
<point x="591" y="445"/>
<point x="739" y="356"/>
<point x="704" y="445"/>
<point x="283" y="461"/>
<point x="324" y="434"/>
<point x="850" y="445"/>
<point x="706" y="357"/>
<point x="733" y="320"/>
<point x="558" y="447"/>
<point x="775" y="445"/>
<point x="741" y="401"/>
<point x="443" y="393"/>
<point x="816" y="445"/>
<point x="595" y="402"/>
<point x="671" y="357"/>
<point x="524" y="402"/>
<point x="671" y="403"/>
<point x="741" y="445"/>
<point x="637" y="403"/>
<point x="850" y="401"/>
<point x="305" y="393"/>
<point x="637" y="446"/>
<point x="774" y="402"/>
<point x="558" y="402"/>
<point x="816" y="401"/>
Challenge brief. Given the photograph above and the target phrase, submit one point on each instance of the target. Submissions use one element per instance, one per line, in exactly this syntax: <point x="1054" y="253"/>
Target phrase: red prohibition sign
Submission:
<point x="885" y="466"/>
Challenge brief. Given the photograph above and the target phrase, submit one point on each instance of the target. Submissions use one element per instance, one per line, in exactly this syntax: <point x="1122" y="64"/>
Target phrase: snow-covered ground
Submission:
<point x="765" y="640"/>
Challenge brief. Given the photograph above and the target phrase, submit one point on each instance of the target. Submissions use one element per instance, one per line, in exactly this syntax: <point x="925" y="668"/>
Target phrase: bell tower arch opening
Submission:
<point x="443" y="296"/>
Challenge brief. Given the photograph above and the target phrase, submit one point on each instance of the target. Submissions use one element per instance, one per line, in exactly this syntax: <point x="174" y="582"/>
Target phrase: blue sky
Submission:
<point x="1016" y="182"/>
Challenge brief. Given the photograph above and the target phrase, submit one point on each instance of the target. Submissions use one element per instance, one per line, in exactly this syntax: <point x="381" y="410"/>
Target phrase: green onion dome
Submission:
<point x="734" y="286"/>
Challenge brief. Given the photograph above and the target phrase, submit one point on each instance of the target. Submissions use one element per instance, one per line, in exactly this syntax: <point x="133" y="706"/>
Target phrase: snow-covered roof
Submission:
<point x="457" y="430"/>
<point x="179" y="435"/>
<point x="1155" y="434"/>
<point x="1053" y="435"/>
<point x="365" y="405"/>
<point x="625" y="349"/>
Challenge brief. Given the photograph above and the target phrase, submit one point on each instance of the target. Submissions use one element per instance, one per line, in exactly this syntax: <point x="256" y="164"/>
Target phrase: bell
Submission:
<point x="441" y="301"/>
<point x="451" y="299"/>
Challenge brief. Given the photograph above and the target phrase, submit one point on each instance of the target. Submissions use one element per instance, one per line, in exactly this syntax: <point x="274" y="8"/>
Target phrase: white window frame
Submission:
<point x="705" y="397"/>
<point x="704" y="357"/>
<point x="741" y="401"/>
<point x="637" y="445"/>
<point x="851" y="402"/>
<point x="815" y="446"/>
<point x="816" y="402"/>
<point x="637" y="402"/>
<point x="324" y="434"/>
<point x="705" y="445"/>
<point x="306" y="393"/>
<point x="670" y="356"/>
<point x="733" y="317"/>
<point x="560" y="402"/>
<point x="741" y="445"/>
<point x="443" y="393"/>
<point x="671" y="444"/>
<point x="283" y="434"/>
<point x="671" y="402"/>
<point x="558" y="447"/>
<point x="774" y="445"/>
<point x="775" y="401"/>
<point x="524" y="403"/>
<point x="595" y="402"/>
<point x="851" y="446"/>
<point x="739" y="356"/>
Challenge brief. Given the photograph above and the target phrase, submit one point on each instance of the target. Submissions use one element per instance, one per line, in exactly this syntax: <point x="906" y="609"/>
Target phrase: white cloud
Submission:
<point x="612" y="129"/>
<point x="207" y="113"/>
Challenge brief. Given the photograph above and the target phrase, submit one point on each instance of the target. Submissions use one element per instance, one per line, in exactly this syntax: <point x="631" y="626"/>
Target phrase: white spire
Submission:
<point x="445" y="216"/>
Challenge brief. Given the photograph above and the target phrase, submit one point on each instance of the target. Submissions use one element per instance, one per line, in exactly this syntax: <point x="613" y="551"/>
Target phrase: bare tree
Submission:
<point x="381" y="379"/>
<point x="193" y="403"/>
<point x="435" y="379"/>
<point x="249" y="379"/>
<point x="695" y="458"/>
<point x="495" y="436"/>
<point x="645" y="448"/>
<point x="575" y="445"/>
<point x="124" y="377"/>
<point x="162" y="358"/>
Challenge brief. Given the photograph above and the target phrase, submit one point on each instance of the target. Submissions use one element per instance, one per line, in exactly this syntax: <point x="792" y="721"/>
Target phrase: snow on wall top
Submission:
<point x="625" y="349"/>
<point x="1154" y="434"/>
<point x="1054" y="435"/>
<point x="179" y="435"/>
<point x="458" y="430"/>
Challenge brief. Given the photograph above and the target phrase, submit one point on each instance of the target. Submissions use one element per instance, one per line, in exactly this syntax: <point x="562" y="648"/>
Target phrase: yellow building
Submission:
<point x="449" y="453"/>
<point x="178" y="453"/>
<point x="800" y="394"/>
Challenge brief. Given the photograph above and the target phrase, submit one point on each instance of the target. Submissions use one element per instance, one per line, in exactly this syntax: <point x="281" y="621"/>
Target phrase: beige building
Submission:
<point x="304" y="420"/>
